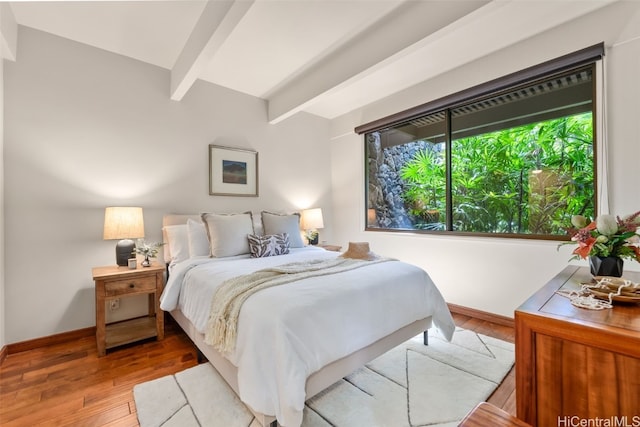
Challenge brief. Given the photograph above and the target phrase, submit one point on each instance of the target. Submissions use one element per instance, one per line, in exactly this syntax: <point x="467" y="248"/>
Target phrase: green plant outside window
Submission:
<point x="517" y="163"/>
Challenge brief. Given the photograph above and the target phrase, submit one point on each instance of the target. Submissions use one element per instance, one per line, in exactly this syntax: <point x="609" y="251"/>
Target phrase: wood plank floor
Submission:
<point x="68" y="385"/>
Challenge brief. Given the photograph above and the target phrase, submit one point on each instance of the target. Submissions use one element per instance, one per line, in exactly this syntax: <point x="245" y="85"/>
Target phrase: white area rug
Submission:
<point x="412" y="385"/>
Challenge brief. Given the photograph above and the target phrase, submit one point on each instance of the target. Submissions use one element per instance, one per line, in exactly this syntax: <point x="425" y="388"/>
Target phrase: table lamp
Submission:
<point x="124" y="223"/>
<point x="311" y="221"/>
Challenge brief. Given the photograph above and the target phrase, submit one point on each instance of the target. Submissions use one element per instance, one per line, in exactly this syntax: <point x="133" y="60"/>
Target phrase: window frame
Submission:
<point x="564" y="64"/>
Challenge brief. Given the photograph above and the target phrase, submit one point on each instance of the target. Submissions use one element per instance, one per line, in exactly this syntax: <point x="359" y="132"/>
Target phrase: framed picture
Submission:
<point x="232" y="171"/>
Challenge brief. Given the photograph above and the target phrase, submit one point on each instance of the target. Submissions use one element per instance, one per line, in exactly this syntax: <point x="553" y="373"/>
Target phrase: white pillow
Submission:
<point x="228" y="233"/>
<point x="197" y="239"/>
<point x="257" y="224"/>
<point x="281" y="223"/>
<point x="178" y="242"/>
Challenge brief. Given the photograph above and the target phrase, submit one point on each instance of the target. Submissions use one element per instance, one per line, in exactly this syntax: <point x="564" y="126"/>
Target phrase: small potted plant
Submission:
<point x="149" y="250"/>
<point x="606" y="242"/>
<point x="312" y="237"/>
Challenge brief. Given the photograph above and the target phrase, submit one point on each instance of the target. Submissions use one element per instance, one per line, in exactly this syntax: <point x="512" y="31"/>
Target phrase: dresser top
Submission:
<point x="549" y="304"/>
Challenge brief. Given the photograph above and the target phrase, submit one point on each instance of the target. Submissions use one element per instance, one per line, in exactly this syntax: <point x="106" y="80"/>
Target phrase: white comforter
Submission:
<point x="288" y="332"/>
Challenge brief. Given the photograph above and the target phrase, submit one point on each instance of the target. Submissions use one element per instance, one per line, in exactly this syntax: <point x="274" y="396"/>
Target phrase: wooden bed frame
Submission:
<point x="317" y="381"/>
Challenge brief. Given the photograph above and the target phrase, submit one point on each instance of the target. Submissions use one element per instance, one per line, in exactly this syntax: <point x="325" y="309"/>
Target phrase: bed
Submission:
<point x="296" y="339"/>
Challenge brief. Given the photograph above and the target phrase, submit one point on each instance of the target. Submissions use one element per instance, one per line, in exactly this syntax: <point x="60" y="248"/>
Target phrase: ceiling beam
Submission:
<point x="216" y="23"/>
<point x="395" y="45"/>
<point x="396" y="32"/>
<point x="8" y="32"/>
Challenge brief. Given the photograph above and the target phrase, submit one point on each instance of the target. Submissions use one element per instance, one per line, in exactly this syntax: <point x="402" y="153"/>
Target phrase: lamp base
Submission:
<point x="124" y="251"/>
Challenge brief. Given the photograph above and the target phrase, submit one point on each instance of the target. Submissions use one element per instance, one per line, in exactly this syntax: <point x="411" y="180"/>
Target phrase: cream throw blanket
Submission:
<point x="229" y="297"/>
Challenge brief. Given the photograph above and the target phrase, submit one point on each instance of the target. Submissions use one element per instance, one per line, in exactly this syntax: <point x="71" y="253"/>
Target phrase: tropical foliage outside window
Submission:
<point x="508" y="165"/>
<point x="520" y="180"/>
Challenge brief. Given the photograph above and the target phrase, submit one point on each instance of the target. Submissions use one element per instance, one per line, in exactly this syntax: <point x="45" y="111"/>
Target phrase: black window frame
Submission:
<point x="558" y="66"/>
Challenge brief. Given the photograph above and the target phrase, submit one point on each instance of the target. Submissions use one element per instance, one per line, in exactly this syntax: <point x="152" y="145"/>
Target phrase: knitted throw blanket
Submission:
<point x="229" y="297"/>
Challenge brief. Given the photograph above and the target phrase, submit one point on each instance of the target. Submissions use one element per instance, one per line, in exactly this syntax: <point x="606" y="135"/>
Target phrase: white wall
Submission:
<point x="2" y="293"/>
<point x="497" y="275"/>
<point x="8" y="37"/>
<point x="86" y="129"/>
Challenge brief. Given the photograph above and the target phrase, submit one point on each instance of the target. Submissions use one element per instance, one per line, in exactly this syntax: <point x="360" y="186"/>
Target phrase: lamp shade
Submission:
<point x="123" y="223"/>
<point x="312" y="219"/>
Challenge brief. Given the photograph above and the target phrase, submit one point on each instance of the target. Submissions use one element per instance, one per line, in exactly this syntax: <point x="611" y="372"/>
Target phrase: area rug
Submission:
<point x="412" y="385"/>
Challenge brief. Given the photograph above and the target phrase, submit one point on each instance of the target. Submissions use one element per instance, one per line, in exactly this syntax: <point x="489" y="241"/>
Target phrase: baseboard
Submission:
<point x="50" y="340"/>
<point x="482" y="315"/>
<point x="3" y="353"/>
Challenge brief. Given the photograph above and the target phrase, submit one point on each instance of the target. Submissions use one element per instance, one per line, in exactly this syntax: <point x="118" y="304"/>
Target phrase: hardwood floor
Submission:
<point x="67" y="384"/>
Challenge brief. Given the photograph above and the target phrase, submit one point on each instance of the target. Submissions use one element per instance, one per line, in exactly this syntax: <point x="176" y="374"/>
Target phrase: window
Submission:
<point x="512" y="158"/>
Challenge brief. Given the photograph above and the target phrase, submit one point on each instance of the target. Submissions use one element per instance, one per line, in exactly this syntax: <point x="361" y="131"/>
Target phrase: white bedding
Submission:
<point x="288" y="332"/>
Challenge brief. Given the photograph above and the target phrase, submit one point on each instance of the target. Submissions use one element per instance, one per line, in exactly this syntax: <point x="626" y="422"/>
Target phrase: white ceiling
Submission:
<point x="326" y="57"/>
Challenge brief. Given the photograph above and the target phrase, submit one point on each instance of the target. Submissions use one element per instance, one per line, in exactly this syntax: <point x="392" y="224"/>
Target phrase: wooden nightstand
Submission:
<point x="113" y="282"/>
<point x="334" y="248"/>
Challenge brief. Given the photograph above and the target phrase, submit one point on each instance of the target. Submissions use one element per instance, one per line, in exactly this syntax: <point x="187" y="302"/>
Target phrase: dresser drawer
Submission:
<point x="130" y="286"/>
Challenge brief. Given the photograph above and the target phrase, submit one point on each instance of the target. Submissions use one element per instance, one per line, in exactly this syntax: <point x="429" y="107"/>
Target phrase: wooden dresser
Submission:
<point x="576" y="365"/>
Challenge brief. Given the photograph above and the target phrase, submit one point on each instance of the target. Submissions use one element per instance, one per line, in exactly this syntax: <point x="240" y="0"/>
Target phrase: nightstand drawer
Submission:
<point x="130" y="286"/>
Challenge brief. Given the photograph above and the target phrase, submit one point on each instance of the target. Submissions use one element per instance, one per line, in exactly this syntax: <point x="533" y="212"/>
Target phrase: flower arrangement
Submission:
<point x="149" y="250"/>
<point x="607" y="236"/>
<point x="312" y="235"/>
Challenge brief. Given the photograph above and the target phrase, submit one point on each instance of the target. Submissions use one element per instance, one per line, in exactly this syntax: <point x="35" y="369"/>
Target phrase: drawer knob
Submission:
<point x="131" y="285"/>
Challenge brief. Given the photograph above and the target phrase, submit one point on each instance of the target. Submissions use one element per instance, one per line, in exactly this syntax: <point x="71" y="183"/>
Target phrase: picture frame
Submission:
<point x="232" y="171"/>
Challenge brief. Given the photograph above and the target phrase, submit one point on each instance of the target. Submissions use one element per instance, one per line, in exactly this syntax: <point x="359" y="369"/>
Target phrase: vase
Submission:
<point x="146" y="262"/>
<point x="606" y="266"/>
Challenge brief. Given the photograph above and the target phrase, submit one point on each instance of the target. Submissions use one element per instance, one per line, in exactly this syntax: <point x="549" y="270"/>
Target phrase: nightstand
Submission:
<point x="327" y="247"/>
<point x="113" y="282"/>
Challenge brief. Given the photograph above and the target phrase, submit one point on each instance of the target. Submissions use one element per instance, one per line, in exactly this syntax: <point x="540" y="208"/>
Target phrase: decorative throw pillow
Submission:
<point x="271" y="245"/>
<point x="280" y="223"/>
<point x="228" y="233"/>
<point x="197" y="238"/>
